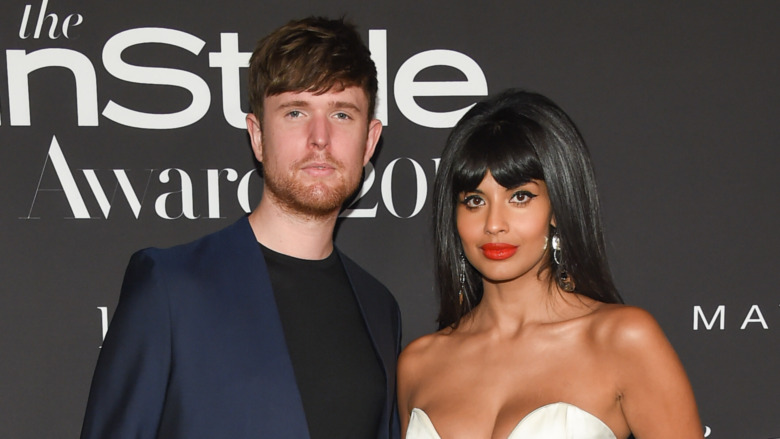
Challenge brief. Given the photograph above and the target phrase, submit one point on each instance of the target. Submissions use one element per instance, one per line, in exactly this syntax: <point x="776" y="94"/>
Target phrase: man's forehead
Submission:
<point x="349" y="96"/>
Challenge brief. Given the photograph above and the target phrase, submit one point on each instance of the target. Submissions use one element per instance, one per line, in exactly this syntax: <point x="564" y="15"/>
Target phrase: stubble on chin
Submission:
<point x="315" y="199"/>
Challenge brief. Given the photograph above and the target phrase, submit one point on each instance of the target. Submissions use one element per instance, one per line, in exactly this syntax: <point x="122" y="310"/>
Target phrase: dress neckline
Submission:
<point x="432" y="429"/>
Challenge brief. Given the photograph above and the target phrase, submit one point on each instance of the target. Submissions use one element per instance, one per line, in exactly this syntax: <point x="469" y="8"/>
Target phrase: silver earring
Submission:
<point x="462" y="277"/>
<point x="556" y="245"/>
<point x="564" y="280"/>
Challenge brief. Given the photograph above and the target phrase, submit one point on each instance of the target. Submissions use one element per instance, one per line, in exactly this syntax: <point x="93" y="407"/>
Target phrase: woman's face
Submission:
<point x="504" y="230"/>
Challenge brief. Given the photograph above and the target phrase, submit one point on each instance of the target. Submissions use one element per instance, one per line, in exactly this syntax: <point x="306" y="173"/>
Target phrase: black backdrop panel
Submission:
<point x="103" y="153"/>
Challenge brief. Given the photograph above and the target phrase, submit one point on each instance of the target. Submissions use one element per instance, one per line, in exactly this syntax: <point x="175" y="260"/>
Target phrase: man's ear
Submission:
<point x="374" y="132"/>
<point x="255" y="135"/>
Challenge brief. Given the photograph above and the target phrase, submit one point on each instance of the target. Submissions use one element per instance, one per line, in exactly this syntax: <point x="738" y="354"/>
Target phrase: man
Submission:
<point x="263" y="329"/>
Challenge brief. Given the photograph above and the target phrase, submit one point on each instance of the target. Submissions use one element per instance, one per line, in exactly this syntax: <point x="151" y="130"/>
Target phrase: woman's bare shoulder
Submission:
<point x="425" y="353"/>
<point x="417" y="362"/>
<point x="649" y="378"/>
<point x="628" y="332"/>
<point x="424" y="347"/>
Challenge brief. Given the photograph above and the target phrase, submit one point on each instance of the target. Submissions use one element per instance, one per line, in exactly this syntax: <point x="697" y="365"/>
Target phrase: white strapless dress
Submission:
<point x="553" y="421"/>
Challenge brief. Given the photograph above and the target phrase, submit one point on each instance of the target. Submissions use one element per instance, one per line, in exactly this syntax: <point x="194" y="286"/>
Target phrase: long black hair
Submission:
<point x="520" y="136"/>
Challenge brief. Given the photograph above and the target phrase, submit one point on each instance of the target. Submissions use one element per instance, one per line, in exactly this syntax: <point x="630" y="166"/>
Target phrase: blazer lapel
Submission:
<point x="380" y="313"/>
<point x="277" y="398"/>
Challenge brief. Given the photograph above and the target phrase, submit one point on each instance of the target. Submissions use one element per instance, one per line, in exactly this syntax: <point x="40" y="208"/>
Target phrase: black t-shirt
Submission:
<point x="339" y="374"/>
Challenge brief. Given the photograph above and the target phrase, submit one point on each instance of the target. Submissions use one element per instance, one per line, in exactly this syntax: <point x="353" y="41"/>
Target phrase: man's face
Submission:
<point x="313" y="148"/>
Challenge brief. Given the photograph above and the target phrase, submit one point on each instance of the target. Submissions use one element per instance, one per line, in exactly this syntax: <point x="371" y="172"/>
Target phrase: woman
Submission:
<point x="534" y="341"/>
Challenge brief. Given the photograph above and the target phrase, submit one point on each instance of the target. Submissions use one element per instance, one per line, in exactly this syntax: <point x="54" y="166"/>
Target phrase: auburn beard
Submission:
<point x="314" y="199"/>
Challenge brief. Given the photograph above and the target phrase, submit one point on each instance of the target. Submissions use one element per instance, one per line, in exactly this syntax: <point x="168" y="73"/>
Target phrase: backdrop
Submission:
<point x="121" y="127"/>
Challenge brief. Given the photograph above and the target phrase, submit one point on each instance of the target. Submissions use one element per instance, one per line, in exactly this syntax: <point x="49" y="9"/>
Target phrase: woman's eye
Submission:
<point x="522" y="197"/>
<point x="473" y="201"/>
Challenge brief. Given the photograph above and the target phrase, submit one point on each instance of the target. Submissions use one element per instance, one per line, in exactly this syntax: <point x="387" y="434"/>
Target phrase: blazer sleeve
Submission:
<point x="128" y="388"/>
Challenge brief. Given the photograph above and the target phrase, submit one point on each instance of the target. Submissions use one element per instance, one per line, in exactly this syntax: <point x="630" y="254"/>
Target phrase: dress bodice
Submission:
<point x="559" y="420"/>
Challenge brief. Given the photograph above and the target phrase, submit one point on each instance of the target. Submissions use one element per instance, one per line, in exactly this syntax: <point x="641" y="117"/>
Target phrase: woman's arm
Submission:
<point x="410" y="376"/>
<point x="406" y="369"/>
<point x="655" y="394"/>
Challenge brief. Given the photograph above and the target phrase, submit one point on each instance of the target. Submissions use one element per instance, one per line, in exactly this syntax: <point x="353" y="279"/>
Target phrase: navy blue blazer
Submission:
<point x="195" y="348"/>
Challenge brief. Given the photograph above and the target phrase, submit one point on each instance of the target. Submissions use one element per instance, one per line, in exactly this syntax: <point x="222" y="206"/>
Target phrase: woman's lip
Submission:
<point x="498" y="251"/>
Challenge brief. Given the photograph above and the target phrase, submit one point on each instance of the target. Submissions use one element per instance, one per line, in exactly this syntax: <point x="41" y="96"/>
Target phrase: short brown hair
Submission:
<point x="314" y="54"/>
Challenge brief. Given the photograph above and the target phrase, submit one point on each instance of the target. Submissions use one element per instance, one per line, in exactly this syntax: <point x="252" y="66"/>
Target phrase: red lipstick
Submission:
<point x="498" y="251"/>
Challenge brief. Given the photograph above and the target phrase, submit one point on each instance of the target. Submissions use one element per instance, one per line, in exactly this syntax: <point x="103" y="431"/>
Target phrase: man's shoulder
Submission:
<point x="355" y="270"/>
<point x="363" y="281"/>
<point x="234" y="239"/>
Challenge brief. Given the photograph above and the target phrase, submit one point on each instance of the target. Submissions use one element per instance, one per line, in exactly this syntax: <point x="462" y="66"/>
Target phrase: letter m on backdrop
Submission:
<point x="719" y="316"/>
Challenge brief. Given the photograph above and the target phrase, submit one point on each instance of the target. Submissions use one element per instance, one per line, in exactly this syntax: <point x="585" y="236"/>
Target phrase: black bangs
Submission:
<point x="501" y="145"/>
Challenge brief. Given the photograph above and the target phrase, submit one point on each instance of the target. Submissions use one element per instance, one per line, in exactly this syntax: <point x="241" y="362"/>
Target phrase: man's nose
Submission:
<point x="319" y="132"/>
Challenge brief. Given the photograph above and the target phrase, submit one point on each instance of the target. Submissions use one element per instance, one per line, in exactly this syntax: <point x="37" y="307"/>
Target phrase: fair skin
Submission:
<point x="313" y="148"/>
<point x="528" y="344"/>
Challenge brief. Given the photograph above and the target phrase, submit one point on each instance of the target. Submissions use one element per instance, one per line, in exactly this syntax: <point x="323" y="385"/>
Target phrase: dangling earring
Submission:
<point x="564" y="280"/>
<point x="462" y="278"/>
<point x="556" y="245"/>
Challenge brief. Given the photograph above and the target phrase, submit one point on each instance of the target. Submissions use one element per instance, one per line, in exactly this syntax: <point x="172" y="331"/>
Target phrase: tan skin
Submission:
<point x="320" y="142"/>
<point x="528" y="344"/>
